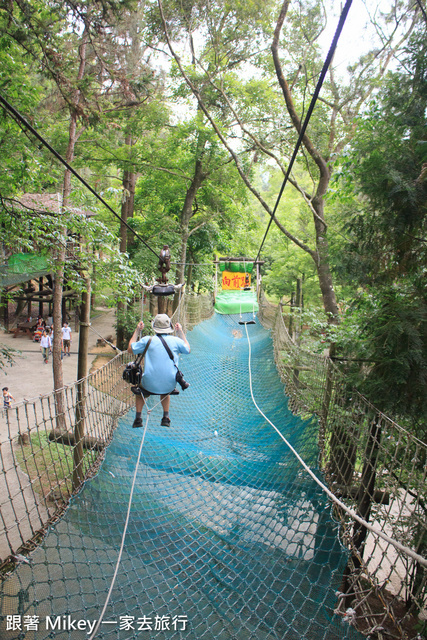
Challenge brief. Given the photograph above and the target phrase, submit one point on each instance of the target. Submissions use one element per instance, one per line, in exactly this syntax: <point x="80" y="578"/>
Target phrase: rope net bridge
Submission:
<point x="228" y="535"/>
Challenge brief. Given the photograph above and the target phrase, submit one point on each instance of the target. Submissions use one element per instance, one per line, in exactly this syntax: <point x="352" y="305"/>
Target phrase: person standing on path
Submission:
<point x="66" y="338"/>
<point x="45" y="345"/>
<point x="7" y="398"/>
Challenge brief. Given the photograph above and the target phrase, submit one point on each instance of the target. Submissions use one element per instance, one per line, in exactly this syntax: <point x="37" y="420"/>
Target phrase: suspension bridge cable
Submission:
<point x="422" y="10"/>
<point x="113" y="346"/>
<point x="326" y="64"/>
<point x="409" y="552"/>
<point x="8" y="107"/>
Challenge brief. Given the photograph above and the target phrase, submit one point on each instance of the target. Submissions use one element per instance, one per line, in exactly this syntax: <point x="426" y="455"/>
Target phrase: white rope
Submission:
<point x="104" y="339"/>
<point x="142" y="305"/>
<point x="350" y="512"/>
<point x="125" y="527"/>
<point x="242" y="288"/>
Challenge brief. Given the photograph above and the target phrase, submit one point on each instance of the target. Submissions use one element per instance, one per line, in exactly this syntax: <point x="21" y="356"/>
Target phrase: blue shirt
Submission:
<point x="159" y="375"/>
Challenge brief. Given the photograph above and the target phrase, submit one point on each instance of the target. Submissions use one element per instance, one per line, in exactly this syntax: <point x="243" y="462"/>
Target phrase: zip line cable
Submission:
<point x="104" y="339"/>
<point x="8" y="107"/>
<point x="326" y="64"/>
<point x="422" y="10"/>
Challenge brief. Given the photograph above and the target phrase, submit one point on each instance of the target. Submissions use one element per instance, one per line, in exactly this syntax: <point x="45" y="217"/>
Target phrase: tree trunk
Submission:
<point x="128" y="200"/>
<point x="189" y="276"/>
<point x="5" y="306"/>
<point x="186" y="214"/>
<point x="321" y="255"/>
<point x="364" y="504"/>
<point x="80" y="413"/>
<point x="131" y="184"/>
<point x="322" y="259"/>
<point x="58" y="377"/>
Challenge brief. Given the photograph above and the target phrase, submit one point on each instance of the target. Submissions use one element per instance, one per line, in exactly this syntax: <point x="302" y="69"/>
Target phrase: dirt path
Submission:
<point x="29" y="377"/>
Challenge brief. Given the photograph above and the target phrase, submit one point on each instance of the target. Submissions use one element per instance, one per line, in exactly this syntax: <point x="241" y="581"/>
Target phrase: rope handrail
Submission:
<point x="331" y="363"/>
<point x="406" y="550"/>
<point x="371" y="462"/>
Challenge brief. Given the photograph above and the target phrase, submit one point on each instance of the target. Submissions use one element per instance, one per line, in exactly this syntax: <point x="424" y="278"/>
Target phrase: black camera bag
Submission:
<point x="133" y="370"/>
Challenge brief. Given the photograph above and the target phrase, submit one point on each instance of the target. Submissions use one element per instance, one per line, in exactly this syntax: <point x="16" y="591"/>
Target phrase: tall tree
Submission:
<point x="73" y="135"/>
<point x="385" y="261"/>
<point x="218" y="60"/>
<point x="80" y="85"/>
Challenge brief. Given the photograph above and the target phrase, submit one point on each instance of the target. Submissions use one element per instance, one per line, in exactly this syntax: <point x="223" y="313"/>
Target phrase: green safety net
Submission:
<point x="27" y="262"/>
<point x="237" y="267"/>
<point x="228" y="536"/>
<point x="236" y="302"/>
<point x="22" y="267"/>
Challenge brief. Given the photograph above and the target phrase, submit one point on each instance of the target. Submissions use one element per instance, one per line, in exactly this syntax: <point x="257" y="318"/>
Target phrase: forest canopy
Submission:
<point x="184" y="116"/>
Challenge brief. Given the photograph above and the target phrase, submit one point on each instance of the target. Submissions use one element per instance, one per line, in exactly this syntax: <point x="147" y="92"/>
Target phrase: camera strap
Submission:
<point x="165" y="344"/>
<point x="140" y="358"/>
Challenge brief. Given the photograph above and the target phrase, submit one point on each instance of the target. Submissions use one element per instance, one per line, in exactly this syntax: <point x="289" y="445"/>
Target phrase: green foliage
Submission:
<point x="50" y="464"/>
<point x="22" y="165"/>
<point x="396" y="334"/>
<point x="381" y="346"/>
<point x="161" y="190"/>
<point x="386" y="254"/>
<point x="129" y="317"/>
<point x="27" y="230"/>
<point x="385" y="166"/>
<point x="284" y="261"/>
<point x="7" y="356"/>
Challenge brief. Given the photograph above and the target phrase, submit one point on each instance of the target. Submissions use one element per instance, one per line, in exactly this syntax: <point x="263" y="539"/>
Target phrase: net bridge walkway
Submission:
<point x="227" y="536"/>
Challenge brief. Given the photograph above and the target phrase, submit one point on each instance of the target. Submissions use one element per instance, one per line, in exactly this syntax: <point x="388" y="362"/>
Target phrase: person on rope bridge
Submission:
<point x="160" y="370"/>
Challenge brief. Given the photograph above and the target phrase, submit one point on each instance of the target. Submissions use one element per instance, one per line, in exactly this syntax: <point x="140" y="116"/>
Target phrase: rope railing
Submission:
<point x="379" y="471"/>
<point x="193" y="309"/>
<point x="37" y="456"/>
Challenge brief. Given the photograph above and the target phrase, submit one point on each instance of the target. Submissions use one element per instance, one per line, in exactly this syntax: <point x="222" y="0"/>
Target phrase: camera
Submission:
<point x="132" y="373"/>
<point x="180" y="380"/>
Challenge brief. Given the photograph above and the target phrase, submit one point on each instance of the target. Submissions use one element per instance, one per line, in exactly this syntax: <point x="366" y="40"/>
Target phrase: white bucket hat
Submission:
<point x="162" y="324"/>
